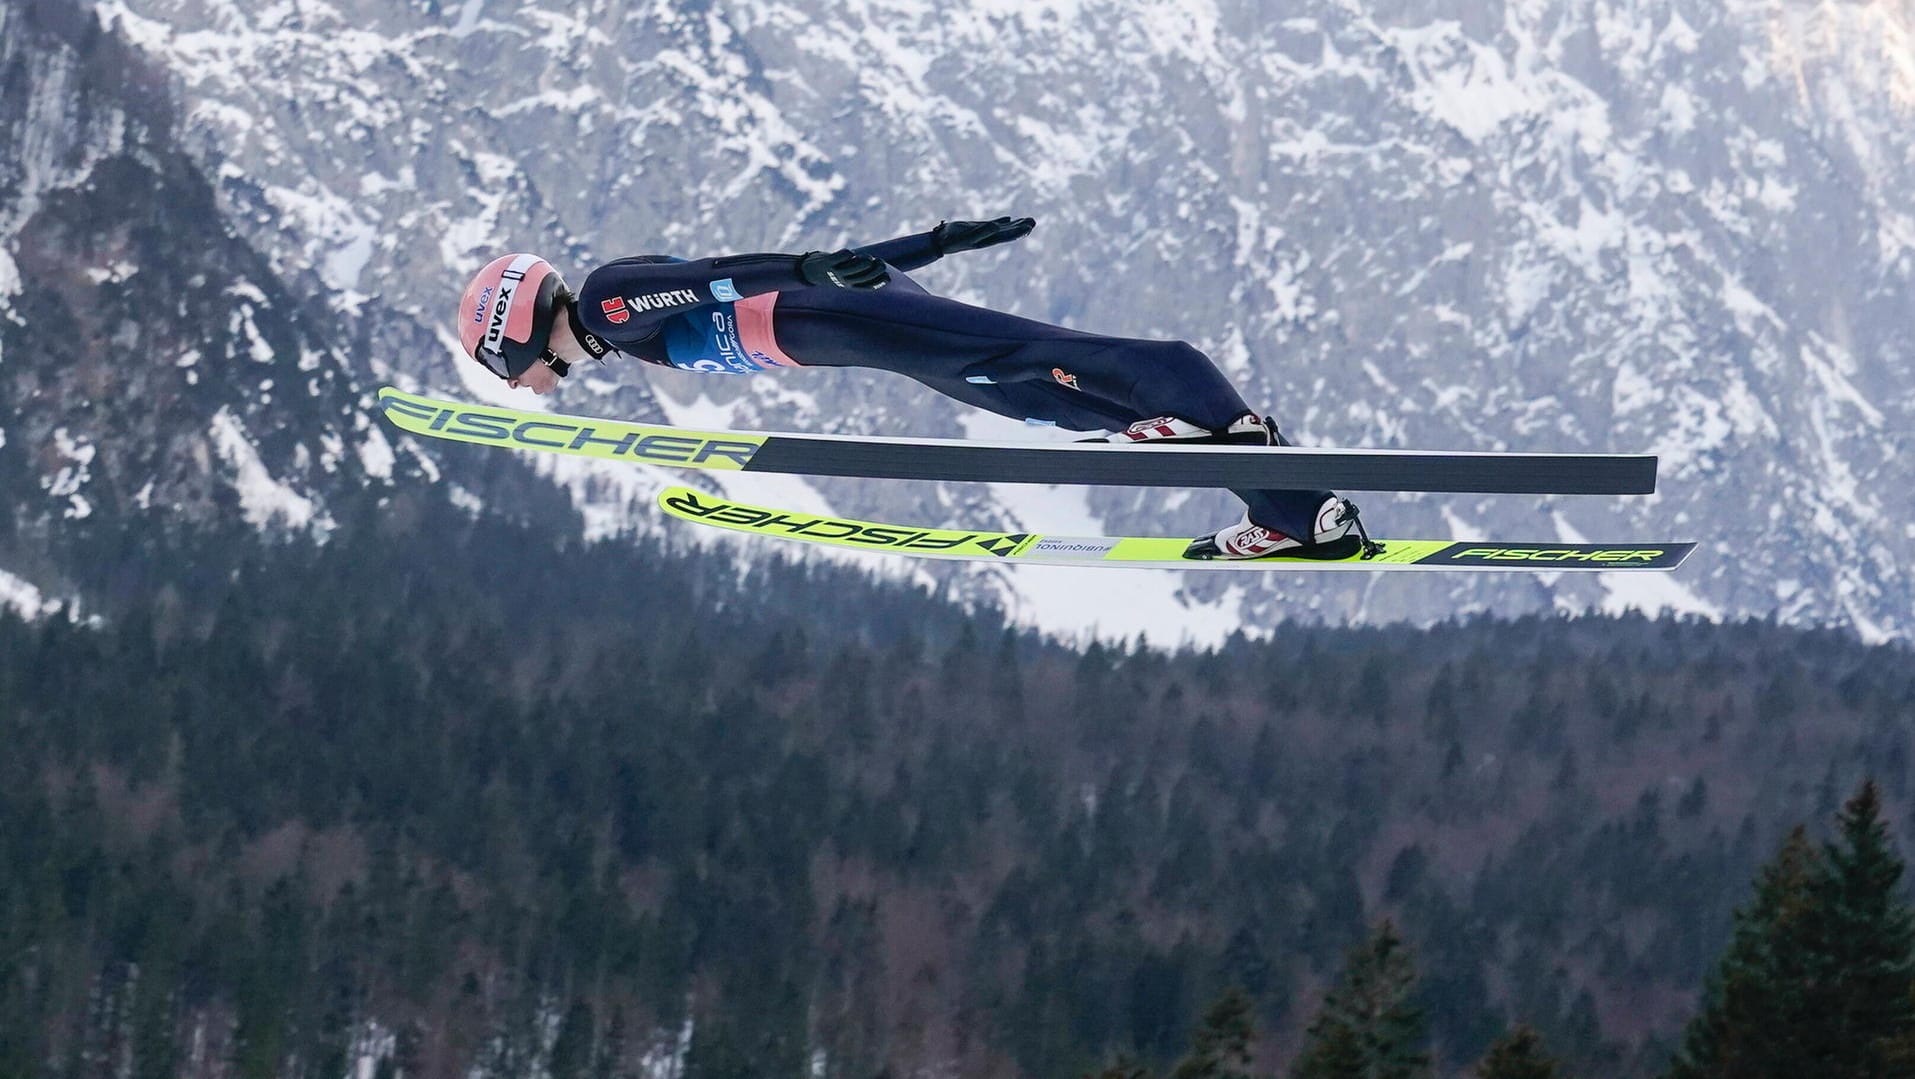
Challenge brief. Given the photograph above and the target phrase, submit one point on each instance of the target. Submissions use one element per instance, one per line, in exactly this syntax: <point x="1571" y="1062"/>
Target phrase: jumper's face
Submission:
<point x="539" y="378"/>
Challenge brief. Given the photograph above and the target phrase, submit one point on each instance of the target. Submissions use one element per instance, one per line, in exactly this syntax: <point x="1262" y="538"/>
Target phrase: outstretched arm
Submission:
<point x="908" y="253"/>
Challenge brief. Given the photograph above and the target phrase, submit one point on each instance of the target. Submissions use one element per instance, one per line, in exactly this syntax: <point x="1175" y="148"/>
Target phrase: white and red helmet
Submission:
<point x="506" y="314"/>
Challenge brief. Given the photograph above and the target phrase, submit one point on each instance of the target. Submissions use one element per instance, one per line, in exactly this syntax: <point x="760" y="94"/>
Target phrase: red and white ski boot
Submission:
<point x="1338" y="533"/>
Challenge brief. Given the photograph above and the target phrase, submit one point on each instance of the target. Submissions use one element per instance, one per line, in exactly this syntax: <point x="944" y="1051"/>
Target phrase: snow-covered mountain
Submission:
<point x="164" y="391"/>
<point x="119" y="290"/>
<point x="1658" y="225"/>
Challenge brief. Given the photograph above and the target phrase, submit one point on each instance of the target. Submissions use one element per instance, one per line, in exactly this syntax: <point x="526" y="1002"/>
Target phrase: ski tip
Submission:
<point x="389" y="398"/>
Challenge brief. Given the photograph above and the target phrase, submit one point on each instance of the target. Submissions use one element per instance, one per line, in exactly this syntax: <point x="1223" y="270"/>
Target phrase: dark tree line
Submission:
<point x="398" y="798"/>
<point x="1818" y="979"/>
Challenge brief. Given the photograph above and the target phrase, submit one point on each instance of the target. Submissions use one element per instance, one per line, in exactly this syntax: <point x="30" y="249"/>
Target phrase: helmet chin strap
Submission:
<point x="587" y="340"/>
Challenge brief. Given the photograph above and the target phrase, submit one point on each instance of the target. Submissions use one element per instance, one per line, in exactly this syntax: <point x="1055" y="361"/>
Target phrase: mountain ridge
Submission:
<point x="1638" y="225"/>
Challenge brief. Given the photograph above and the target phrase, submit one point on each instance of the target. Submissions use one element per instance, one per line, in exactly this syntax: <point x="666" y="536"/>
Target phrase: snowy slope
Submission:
<point x="1636" y="224"/>
<point x="157" y="378"/>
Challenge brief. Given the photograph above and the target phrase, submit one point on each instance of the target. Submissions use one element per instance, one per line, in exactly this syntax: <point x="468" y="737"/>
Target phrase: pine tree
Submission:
<point x="1221" y="1047"/>
<point x="1369" y="1027"/>
<point x="1754" y="1004"/>
<point x="1866" y="935"/>
<point x="1334" y="1052"/>
<point x="1518" y="1054"/>
<point x="1820" y="969"/>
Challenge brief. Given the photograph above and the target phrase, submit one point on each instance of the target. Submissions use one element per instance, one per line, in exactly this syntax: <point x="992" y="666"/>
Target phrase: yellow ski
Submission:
<point x="1034" y="548"/>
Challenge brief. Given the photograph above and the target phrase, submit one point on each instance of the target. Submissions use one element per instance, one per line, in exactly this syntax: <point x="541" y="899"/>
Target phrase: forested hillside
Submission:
<point x="352" y="762"/>
<point x="578" y="809"/>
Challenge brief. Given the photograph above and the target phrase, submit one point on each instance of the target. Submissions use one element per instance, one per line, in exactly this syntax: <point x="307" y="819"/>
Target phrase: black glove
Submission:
<point x="955" y="236"/>
<point x="845" y="269"/>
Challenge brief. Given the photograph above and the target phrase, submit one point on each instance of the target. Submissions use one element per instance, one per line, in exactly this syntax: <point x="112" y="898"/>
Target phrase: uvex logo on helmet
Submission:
<point x="506" y="314"/>
<point x="478" y="309"/>
<point x="501" y="307"/>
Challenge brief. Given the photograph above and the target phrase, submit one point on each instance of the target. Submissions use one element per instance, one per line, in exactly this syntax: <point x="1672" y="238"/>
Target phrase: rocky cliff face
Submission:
<point x="1629" y="225"/>
<point x="160" y="378"/>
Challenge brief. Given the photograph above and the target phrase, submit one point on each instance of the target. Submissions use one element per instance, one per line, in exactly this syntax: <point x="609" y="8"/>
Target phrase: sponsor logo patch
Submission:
<point x="495" y="331"/>
<point x="592" y="438"/>
<point x="1065" y="378"/>
<point x="716" y="346"/>
<point x="724" y="290"/>
<point x="1005" y="546"/>
<point x="1566" y="554"/>
<point x="615" y="312"/>
<point x="658" y="301"/>
<point x="1061" y="547"/>
<point x="851" y="533"/>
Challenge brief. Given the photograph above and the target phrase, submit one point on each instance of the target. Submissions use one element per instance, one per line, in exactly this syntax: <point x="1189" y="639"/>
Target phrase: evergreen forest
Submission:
<point x="446" y="797"/>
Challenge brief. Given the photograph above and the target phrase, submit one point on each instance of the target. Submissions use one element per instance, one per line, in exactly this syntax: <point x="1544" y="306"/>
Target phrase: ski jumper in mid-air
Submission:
<point x="750" y="314"/>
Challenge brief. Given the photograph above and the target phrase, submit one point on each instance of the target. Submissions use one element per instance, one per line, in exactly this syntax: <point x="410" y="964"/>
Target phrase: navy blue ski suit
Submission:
<point x="753" y="313"/>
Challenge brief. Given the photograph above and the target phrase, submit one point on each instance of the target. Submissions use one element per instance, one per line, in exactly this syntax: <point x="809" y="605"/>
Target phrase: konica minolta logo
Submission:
<point x="1063" y="547"/>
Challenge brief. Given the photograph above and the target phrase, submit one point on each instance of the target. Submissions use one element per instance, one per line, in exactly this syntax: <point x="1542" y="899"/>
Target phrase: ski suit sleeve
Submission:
<point x="629" y="298"/>
<point x="907" y="253"/>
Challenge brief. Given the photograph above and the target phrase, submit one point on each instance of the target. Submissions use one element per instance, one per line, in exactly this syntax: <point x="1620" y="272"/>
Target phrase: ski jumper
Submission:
<point x="748" y="314"/>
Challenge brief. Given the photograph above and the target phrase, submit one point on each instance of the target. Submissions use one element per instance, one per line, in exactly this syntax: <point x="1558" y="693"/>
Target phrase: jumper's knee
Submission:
<point x="1177" y="355"/>
<point x="1178" y="380"/>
